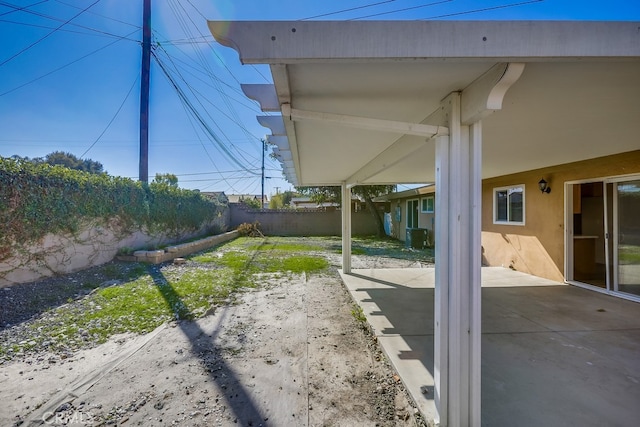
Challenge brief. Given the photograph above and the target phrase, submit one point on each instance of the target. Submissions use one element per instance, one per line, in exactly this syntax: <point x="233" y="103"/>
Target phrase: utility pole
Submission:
<point x="264" y="148"/>
<point x="144" y="92"/>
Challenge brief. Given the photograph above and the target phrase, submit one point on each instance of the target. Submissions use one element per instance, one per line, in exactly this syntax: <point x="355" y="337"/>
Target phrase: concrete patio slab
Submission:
<point x="552" y="354"/>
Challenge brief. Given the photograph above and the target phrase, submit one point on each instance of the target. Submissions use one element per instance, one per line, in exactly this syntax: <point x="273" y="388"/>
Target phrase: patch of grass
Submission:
<point x="206" y="257"/>
<point x="138" y="306"/>
<point x="270" y="245"/>
<point x="150" y="296"/>
<point x="271" y="255"/>
<point x="297" y="264"/>
<point x="358" y="314"/>
<point x="235" y="260"/>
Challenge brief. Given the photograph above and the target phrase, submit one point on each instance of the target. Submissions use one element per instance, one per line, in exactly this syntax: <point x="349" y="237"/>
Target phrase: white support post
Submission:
<point x="475" y="290"/>
<point x="441" y="300"/>
<point x="346" y="228"/>
<point x="457" y="297"/>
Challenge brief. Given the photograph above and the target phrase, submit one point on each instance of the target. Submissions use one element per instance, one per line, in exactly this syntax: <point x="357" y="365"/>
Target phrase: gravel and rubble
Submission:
<point x="287" y="353"/>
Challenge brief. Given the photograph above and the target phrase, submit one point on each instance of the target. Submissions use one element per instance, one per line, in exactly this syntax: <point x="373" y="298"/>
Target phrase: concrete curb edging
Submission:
<point x="177" y="251"/>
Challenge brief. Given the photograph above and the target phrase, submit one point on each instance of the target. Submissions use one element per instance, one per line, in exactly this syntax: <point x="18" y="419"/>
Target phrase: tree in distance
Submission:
<point x="166" y="178"/>
<point x="282" y="200"/>
<point x="67" y="160"/>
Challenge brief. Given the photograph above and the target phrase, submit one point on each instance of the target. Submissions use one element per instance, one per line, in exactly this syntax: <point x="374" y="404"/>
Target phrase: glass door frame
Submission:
<point x="610" y="242"/>
<point x="569" y="264"/>
<point x="614" y="266"/>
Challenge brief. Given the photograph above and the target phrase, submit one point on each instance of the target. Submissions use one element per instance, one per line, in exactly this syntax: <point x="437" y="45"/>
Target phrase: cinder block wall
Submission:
<point x="302" y="222"/>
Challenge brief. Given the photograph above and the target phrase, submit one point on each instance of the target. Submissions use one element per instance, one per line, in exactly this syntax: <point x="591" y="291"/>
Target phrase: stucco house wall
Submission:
<point x="399" y="201"/>
<point x="537" y="247"/>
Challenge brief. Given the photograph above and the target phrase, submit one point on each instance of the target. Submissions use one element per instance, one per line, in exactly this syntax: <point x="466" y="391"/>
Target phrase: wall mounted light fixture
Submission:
<point x="542" y="184"/>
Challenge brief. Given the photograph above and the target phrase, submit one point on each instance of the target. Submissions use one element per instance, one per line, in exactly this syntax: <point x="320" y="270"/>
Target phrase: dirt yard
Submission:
<point x="292" y="352"/>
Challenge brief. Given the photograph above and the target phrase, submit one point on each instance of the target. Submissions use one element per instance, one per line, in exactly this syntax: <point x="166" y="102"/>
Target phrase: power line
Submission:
<point x="203" y="61"/>
<point x="347" y="10"/>
<point x="182" y="16"/>
<point x="189" y="40"/>
<point x="45" y="142"/>
<point x="483" y="9"/>
<point x="195" y="92"/>
<point x="112" y="119"/>
<point x="220" y="172"/>
<point x="66" y="65"/>
<point x="199" y="96"/>
<point x="93" y="32"/>
<point x="100" y="15"/>
<point x="202" y="143"/>
<point x="53" y="18"/>
<point x="215" y="180"/>
<point x="205" y="65"/>
<point x="19" y="9"/>
<point x="15" y="55"/>
<point x="261" y="75"/>
<point x="404" y="9"/>
<point x="173" y="72"/>
<point x="182" y="96"/>
<point x="239" y="101"/>
<point x="203" y="36"/>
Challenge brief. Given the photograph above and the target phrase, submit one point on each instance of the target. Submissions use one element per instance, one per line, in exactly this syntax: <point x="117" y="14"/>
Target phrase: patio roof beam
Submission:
<point x="279" y="141"/>
<point x="397" y="152"/>
<point x="368" y="123"/>
<point x="264" y="94"/>
<point x="283" y="155"/>
<point x="275" y="123"/>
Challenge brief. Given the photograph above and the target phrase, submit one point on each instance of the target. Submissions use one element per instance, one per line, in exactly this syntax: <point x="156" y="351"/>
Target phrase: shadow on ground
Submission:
<point x="203" y="347"/>
<point x="21" y="302"/>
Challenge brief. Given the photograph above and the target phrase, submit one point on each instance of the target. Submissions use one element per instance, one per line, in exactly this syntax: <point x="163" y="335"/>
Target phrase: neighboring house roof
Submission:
<point x="364" y="109"/>
<point x="237" y="198"/>
<point x="418" y="191"/>
<point x="307" y="203"/>
<point x="216" y="195"/>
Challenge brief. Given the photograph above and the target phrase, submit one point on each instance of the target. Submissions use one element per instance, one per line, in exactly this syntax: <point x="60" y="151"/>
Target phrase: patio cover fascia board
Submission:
<point x="288" y="42"/>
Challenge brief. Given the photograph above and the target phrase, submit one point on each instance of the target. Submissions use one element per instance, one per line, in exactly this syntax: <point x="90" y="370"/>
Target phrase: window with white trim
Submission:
<point x="427" y="204"/>
<point x="508" y="205"/>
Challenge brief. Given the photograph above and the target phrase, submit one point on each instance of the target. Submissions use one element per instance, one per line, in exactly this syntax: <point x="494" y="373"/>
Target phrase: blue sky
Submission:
<point x="69" y="77"/>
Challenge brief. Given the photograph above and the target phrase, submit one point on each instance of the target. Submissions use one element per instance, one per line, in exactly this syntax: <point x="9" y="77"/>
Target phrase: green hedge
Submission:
<point x="36" y="199"/>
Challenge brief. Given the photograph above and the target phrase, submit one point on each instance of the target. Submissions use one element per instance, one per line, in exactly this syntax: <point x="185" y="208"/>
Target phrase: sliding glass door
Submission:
<point x="603" y="242"/>
<point x="626" y="249"/>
